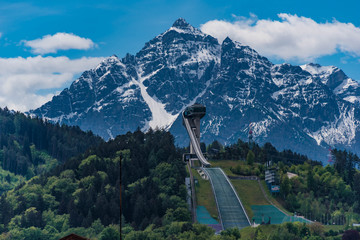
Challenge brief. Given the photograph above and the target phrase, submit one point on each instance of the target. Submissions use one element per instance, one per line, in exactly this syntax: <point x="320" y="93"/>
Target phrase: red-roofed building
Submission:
<point x="74" y="237"/>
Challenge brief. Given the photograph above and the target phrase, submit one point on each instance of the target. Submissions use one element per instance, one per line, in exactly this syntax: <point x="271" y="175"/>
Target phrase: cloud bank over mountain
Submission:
<point x="290" y="38"/>
<point x="23" y="79"/>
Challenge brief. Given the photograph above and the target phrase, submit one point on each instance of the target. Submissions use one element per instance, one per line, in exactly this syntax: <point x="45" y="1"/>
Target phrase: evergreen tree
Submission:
<point x="356" y="186"/>
<point x="250" y="158"/>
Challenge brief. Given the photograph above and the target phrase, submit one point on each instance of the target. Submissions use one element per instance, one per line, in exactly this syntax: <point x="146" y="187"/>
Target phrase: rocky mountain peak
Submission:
<point x="337" y="81"/>
<point x="304" y="108"/>
<point x="181" y="24"/>
<point x="182" y="27"/>
<point x="314" y="65"/>
<point x="129" y="59"/>
<point x="227" y="41"/>
<point x="108" y="61"/>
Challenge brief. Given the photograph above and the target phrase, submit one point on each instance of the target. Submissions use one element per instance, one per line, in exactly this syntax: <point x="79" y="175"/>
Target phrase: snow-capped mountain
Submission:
<point x="336" y="80"/>
<point x="303" y="108"/>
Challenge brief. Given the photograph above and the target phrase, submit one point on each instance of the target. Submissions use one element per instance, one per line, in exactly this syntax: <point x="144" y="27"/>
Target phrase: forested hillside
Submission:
<point x="329" y="194"/>
<point x="152" y="175"/>
<point x="262" y="154"/>
<point x="82" y="196"/>
<point x="30" y="146"/>
<point x="326" y="195"/>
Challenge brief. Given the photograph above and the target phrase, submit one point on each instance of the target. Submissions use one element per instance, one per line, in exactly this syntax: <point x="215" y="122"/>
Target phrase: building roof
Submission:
<point x="74" y="237"/>
<point x="291" y="175"/>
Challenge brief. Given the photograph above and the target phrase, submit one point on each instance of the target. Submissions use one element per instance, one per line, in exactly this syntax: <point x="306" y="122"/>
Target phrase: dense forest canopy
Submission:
<point x="263" y="154"/>
<point x="81" y="195"/>
<point x="31" y="146"/>
<point x="152" y="175"/>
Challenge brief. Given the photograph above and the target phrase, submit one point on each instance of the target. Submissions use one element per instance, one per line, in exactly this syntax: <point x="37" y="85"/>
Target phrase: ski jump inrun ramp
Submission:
<point x="230" y="208"/>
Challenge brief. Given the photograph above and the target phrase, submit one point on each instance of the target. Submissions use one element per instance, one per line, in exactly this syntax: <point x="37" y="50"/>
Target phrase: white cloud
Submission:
<point x="59" y="41"/>
<point x="291" y="38"/>
<point x="22" y="78"/>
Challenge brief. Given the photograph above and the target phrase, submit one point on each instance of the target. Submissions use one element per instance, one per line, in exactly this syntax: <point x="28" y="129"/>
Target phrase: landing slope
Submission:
<point x="231" y="211"/>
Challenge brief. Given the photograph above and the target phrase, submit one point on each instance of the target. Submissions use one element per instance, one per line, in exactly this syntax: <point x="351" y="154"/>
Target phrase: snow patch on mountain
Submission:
<point x="61" y="118"/>
<point x="160" y="117"/>
<point x="345" y="85"/>
<point x="214" y="125"/>
<point x="352" y="99"/>
<point x="182" y="27"/>
<point x="204" y="55"/>
<point x="293" y="90"/>
<point x="341" y="85"/>
<point x="110" y="133"/>
<point x="341" y="131"/>
<point x="261" y="128"/>
<point x="184" y="30"/>
<point x="306" y="81"/>
<point x="323" y="72"/>
<point x="316" y="69"/>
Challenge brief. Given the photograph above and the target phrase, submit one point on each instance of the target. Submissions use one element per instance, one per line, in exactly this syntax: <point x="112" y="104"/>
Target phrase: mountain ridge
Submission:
<point x="305" y="108"/>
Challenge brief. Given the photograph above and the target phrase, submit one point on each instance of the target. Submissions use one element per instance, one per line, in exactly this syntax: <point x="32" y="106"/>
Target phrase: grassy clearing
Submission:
<point x="265" y="230"/>
<point x="239" y="167"/>
<point x="268" y="230"/>
<point x="204" y="195"/>
<point x="248" y="190"/>
<point x="253" y="192"/>
<point x="249" y="193"/>
<point x="225" y="165"/>
<point x="334" y="227"/>
<point x="273" y="200"/>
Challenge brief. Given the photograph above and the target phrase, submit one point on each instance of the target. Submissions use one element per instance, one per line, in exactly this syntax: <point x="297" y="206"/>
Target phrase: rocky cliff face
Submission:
<point x="303" y="108"/>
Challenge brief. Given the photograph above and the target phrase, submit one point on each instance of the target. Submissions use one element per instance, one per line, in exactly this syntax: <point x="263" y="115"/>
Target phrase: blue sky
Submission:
<point x="34" y="65"/>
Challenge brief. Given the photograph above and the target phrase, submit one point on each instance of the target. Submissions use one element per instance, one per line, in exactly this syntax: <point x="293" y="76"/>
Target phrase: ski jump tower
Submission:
<point x="191" y="121"/>
<point x="230" y="208"/>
